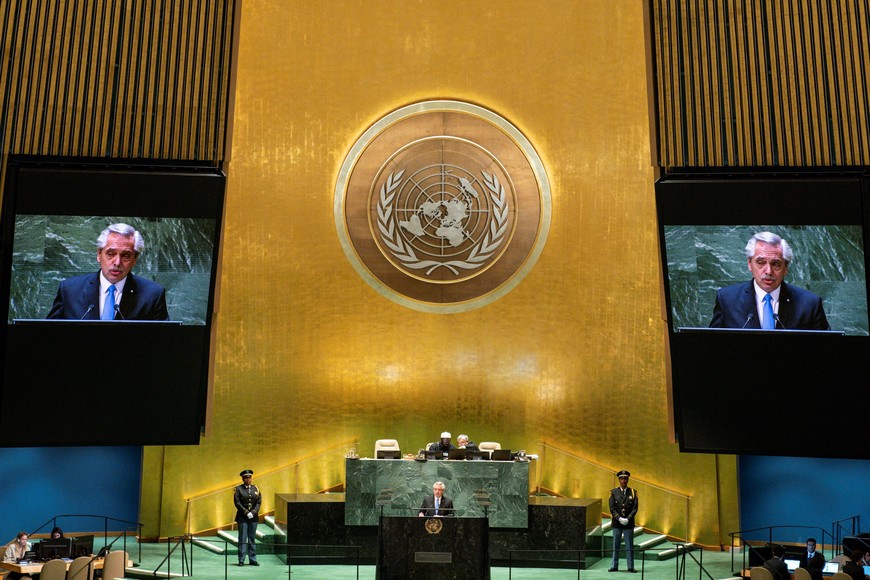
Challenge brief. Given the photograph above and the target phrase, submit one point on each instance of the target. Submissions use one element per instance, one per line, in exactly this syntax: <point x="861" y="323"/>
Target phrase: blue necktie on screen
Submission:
<point x="769" y="322"/>
<point x="109" y="305"/>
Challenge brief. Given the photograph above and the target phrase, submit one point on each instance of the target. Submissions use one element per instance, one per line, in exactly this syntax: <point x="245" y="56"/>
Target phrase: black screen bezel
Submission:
<point x="765" y="393"/>
<point x="38" y="406"/>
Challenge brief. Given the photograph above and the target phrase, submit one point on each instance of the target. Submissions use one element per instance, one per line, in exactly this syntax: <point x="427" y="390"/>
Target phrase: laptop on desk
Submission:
<point x="831" y="568"/>
<point x="791" y="564"/>
<point x="456" y="454"/>
<point x="501" y="455"/>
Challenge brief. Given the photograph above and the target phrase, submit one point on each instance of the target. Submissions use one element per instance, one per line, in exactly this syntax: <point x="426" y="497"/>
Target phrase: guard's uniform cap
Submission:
<point x="446" y="435"/>
<point x="623" y="473"/>
<point x="246" y="473"/>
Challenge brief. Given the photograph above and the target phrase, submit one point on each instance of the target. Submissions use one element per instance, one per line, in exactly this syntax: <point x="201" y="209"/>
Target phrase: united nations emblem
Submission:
<point x="433" y="525"/>
<point x="442" y="206"/>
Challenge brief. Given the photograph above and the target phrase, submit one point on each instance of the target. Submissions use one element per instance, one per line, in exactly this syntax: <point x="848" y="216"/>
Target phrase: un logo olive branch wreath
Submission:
<point x="404" y="252"/>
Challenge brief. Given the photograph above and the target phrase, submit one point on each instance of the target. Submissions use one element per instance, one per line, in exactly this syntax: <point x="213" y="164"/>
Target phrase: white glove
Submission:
<point x="623" y="521"/>
<point x="250" y="515"/>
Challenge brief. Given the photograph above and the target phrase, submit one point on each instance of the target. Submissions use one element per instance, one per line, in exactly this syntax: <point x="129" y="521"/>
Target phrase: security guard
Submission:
<point x="623" y="507"/>
<point x="247" y="499"/>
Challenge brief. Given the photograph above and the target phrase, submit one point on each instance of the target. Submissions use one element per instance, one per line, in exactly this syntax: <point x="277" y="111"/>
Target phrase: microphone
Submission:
<point x="118" y="311"/>
<point x="778" y="321"/>
<point x="748" y="318"/>
<point x="88" y="311"/>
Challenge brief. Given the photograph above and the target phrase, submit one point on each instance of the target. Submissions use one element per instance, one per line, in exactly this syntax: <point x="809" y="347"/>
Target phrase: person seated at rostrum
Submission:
<point x="444" y="445"/>
<point x="463" y="443"/>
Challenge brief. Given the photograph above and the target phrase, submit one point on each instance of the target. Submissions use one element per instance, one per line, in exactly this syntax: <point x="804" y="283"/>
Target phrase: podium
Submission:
<point x="415" y="548"/>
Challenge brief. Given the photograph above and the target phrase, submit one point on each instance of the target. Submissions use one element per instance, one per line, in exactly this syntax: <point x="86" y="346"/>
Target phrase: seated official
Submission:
<point x="112" y="293"/>
<point x="463" y="443"/>
<point x="15" y="552"/>
<point x="777" y="565"/>
<point x="444" y="445"/>
<point x="855" y="566"/>
<point x="436" y="505"/>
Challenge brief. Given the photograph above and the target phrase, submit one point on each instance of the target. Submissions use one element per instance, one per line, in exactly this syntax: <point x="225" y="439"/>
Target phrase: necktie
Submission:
<point x="437" y="503"/>
<point x="768" y="323"/>
<point x="109" y="305"/>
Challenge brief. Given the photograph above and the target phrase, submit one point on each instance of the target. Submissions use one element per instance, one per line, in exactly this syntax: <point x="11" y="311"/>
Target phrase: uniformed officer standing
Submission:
<point x="623" y="507"/>
<point x="247" y="499"/>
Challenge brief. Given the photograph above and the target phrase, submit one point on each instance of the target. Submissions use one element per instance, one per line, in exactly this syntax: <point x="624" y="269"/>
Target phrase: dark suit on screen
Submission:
<point x="799" y="309"/>
<point x="428" y="507"/>
<point x="78" y="298"/>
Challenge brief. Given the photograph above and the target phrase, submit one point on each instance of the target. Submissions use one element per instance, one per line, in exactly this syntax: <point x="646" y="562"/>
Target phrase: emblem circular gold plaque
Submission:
<point x="433" y="525"/>
<point x="442" y="206"/>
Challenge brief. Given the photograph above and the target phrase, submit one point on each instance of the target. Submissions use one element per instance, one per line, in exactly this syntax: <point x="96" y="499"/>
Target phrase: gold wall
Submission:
<point x="308" y="356"/>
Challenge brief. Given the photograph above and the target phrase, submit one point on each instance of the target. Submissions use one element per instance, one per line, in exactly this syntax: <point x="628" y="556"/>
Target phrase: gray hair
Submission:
<point x="122" y="230"/>
<point x="773" y="240"/>
<point x="439" y="484"/>
<point x="461" y="437"/>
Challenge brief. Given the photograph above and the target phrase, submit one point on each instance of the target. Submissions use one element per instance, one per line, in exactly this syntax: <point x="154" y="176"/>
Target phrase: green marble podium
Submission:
<point x="498" y="490"/>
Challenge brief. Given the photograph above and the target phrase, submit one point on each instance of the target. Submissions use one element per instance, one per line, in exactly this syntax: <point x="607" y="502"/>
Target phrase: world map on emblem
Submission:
<point x="443" y="216"/>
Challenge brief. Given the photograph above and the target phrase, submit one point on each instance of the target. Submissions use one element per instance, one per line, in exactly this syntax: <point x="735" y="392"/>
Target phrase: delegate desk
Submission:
<point x="498" y="490"/>
<point x="36" y="567"/>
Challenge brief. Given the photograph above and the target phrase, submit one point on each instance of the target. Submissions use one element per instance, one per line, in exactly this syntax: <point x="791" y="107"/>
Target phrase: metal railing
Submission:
<point x="839" y="531"/>
<point x="569" y="474"/>
<point x="740" y="539"/>
<point x="309" y="475"/>
<point x="128" y="526"/>
<point x="183" y="548"/>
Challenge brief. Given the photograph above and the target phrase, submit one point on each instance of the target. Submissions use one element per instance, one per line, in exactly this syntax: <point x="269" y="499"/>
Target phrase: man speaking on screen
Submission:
<point x="766" y="302"/>
<point x="113" y="293"/>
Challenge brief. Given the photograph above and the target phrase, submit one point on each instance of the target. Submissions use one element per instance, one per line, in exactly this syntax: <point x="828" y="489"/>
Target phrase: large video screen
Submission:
<point x="740" y="385"/>
<point x="81" y="368"/>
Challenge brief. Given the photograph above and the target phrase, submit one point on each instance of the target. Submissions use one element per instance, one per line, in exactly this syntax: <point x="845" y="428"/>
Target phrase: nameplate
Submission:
<point x="433" y="557"/>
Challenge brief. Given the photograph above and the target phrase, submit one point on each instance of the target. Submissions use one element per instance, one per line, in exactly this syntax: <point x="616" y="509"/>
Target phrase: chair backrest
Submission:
<point x="114" y="565"/>
<point x="386" y="445"/>
<point x="53" y="570"/>
<point x="802" y="574"/>
<point x="840" y="558"/>
<point x="759" y="573"/>
<point x="489" y="445"/>
<point x="81" y="569"/>
<point x="841" y="576"/>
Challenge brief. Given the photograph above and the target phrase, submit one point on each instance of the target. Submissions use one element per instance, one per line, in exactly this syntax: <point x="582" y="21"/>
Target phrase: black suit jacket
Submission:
<point x="817" y="561"/>
<point x="799" y="309"/>
<point x="778" y="568"/>
<point x="78" y="298"/>
<point x="428" y="507"/>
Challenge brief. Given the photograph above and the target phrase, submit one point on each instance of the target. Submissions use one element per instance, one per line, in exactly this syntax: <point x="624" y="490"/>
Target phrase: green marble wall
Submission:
<point x="828" y="260"/>
<point x="47" y="249"/>
<point x="505" y="483"/>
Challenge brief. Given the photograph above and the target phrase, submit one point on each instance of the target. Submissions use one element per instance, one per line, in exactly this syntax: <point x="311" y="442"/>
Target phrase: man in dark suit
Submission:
<point x="437" y="504"/>
<point x="247" y="499"/>
<point x="812" y="560"/>
<point x="766" y="301"/>
<point x="623" y="508"/>
<point x="464" y="443"/>
<point x="776" y="565"/>
<point x="113" y="293"/>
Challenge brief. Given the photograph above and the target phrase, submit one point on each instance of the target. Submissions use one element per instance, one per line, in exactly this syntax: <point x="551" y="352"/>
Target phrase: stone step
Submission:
<point x="211" y="547"/>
